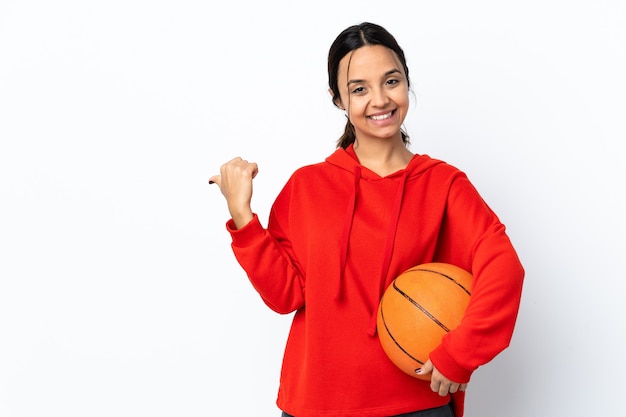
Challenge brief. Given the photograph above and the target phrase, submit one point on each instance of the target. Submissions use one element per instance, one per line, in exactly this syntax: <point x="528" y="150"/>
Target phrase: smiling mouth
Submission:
<point x="382" y="116"/>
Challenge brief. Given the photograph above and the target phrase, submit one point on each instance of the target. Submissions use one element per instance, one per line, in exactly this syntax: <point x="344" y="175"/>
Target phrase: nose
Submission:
<point x="379" y="97"/>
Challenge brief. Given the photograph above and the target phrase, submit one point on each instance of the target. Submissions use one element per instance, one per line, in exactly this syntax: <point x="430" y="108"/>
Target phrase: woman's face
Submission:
<point x="374" y="92"/>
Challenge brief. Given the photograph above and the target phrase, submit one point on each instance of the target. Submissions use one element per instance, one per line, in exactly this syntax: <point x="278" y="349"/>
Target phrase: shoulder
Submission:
<point x="316" y="172"/>
<point x="435" y="168"/>
<point x="311" y="168"/>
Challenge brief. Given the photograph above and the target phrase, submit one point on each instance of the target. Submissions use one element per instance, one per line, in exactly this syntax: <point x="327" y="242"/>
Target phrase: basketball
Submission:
<point x="418" y="308"/>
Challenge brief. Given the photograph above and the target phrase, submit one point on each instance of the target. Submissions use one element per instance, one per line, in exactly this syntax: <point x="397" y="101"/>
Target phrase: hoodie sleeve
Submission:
<point x="473" y="237"/>
<point x="267" y="257"/>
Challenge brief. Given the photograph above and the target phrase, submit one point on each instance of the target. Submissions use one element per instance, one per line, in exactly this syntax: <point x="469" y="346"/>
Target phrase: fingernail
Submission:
<point x="418" y="371"/>
<point x="211" y="182"/>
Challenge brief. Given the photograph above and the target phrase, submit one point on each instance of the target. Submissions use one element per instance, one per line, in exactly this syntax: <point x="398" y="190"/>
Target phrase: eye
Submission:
<point x="358" y="90"/>
<point x="392" y="81"/>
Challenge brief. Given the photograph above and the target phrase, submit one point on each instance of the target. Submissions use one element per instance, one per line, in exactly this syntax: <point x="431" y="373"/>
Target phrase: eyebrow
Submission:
<point x="388" y="73"/>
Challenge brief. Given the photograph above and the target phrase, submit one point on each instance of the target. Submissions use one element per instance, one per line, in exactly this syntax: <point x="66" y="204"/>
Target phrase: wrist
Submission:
<point x="241" y="217"/>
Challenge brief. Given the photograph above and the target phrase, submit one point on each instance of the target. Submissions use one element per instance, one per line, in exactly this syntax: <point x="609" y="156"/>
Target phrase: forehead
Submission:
<point x="368" y="61"/>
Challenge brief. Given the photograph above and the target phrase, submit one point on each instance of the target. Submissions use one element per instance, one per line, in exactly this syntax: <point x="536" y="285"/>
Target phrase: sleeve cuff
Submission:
<point x="449" y="367"/>
<point x="247" y="234"/>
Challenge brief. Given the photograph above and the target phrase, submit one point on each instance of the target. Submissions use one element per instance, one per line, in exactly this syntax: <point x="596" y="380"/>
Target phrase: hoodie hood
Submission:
<point x="346" y="159"/>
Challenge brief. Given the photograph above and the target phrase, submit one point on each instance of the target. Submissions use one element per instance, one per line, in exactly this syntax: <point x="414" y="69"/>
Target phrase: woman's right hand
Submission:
<point x="235" y="182"/>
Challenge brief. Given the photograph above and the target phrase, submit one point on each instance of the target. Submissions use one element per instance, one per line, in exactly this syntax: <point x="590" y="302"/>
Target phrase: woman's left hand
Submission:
<point x="438" y="382"/>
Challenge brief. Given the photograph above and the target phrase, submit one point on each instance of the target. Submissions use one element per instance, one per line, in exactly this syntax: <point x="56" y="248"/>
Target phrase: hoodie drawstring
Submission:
<point x="345" y="237"/>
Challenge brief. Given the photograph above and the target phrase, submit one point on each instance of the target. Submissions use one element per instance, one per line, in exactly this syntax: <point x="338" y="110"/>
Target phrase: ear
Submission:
<point x="336" y="100"/>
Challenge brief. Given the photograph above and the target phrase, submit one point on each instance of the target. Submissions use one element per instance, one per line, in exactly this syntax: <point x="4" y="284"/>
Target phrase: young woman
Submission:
<point x="341" y="230"/>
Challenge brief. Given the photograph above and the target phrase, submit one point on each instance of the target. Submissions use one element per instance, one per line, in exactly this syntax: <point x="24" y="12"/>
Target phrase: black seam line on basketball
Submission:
<point x="382" y="315"/>
<point x="445" y="276"/>
<point x="423" y="310"/>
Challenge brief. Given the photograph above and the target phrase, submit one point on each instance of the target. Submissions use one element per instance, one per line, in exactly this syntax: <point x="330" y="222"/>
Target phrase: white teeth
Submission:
<point x="381" y="117"/>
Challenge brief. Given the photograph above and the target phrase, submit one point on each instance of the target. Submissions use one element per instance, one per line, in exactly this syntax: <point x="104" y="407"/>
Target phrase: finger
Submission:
<point x="444" y="389"/>
<point x="215" y="179"/>
<point x="453" y="388"/>
<point x="425" y="369"/>
<point x="234" y="160"/>
<point x="435" y="386"/>
<point x="463" y="387"/>
<point x="254" y="169"/>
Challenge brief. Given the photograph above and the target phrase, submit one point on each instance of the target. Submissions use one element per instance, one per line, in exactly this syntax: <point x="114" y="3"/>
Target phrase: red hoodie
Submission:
<point x="337" y="235"/>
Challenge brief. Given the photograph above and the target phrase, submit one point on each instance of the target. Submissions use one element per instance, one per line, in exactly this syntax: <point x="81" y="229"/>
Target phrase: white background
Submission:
<point x="119" y="295"/>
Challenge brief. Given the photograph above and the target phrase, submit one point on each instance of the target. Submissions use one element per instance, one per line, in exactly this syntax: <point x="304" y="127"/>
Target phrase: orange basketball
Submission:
<point x="419" y="307"/>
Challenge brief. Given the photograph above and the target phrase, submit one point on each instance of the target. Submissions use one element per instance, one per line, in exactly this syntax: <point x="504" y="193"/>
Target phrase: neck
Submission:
<point x="383" y="157"/>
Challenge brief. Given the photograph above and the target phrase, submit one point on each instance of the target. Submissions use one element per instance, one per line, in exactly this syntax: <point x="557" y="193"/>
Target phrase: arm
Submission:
<point x="268" y="259"/>
<point x="264" y="254"/>
<point x="475" y="239"/>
